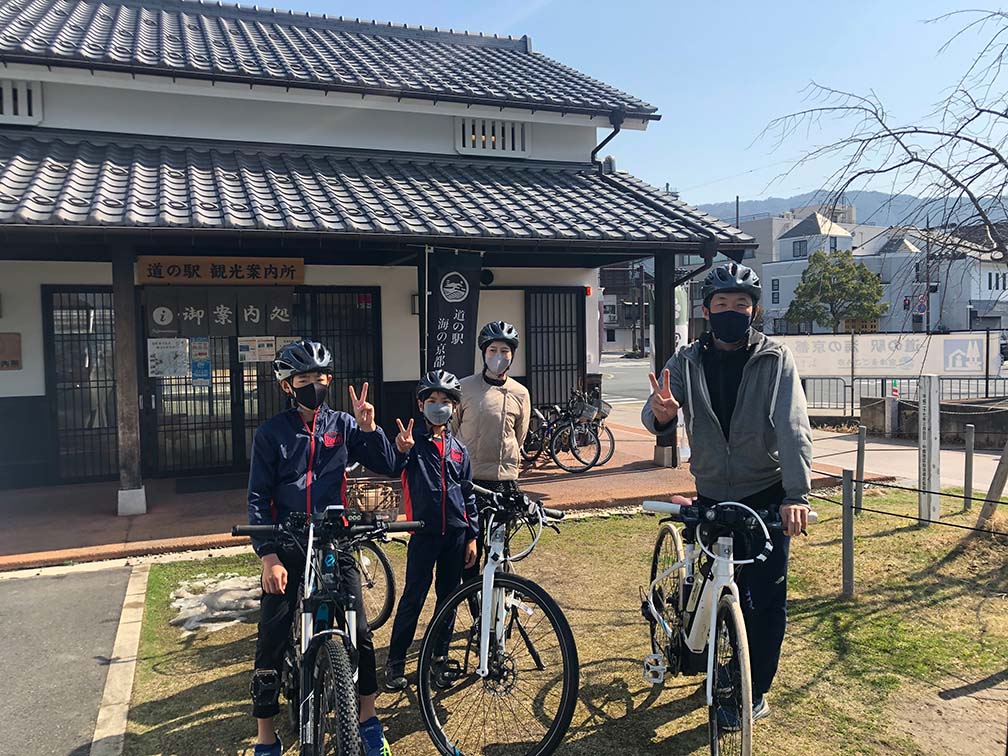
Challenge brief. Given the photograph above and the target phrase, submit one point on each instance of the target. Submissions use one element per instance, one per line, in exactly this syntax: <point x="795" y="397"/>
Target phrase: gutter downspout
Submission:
<point x="616" y="118"/>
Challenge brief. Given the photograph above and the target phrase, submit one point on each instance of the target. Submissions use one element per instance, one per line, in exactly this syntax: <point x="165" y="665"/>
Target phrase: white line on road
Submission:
<point x="110" y="730"/>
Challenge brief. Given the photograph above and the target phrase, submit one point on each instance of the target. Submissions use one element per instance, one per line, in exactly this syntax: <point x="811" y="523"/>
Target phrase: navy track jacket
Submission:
<point x="432" y="490"/>
<point x="296" y="468"/>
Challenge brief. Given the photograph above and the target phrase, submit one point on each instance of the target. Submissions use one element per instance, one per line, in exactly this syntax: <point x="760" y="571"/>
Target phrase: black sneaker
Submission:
<point x="760" y="708"/>
<point x="395" y="680"/>
<point x="446" y="673"/>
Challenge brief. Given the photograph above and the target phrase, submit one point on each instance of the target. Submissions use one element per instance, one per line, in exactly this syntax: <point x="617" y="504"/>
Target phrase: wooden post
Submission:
<point x="968" y="477"/>
<point x="994" y="492"/>
<point x="862" y="434"/>
<point x="132" y="496"/>
<point x="666" y="451"/>
<point x="848" y="534"/>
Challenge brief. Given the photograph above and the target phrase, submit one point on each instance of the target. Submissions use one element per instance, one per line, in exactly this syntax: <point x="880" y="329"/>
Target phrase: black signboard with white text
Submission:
<point x="452" y="309"/>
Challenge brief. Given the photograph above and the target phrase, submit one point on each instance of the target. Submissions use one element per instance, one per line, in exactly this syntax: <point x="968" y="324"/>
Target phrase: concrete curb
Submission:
<point x="110" y="729"/>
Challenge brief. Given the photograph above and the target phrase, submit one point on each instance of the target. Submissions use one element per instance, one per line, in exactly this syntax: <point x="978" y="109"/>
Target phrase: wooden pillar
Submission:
<point x="132" y="496"/>
<point x="666" y="450"/>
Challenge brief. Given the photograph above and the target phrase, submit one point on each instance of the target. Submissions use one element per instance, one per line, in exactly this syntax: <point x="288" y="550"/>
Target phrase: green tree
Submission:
<point x="835" y="288"/>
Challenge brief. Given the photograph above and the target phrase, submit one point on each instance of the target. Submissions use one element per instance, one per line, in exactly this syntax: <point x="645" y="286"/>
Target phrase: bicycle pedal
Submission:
<point x="654" y="669"/>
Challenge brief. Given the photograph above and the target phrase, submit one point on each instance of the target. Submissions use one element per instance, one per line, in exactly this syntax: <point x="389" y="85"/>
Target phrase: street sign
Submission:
<point x="922" y="304"/>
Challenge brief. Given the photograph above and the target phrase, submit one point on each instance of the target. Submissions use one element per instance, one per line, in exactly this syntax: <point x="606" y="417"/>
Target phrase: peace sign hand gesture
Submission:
<point x="363" y="411"/>
<point x="663" y="404"/>
<point x="404" y="441"/>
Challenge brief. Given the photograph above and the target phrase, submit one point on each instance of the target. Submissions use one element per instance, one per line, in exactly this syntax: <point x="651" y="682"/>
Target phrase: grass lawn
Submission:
<point x="930" y="617"/>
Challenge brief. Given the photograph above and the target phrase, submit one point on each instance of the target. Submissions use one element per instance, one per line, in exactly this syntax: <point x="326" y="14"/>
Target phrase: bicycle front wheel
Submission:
<point x="337" y="731"/>
<point x="524" y="705"/>
<point x="575" y="448"/>
<point x="606" y="441"/>
<point x="667" y="596"/>
<point x="730" y="713"/>
<point x="377" y="583"/>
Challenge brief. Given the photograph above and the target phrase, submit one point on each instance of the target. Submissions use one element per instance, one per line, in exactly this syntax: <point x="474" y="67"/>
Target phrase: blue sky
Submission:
<point x="719" y="71"/>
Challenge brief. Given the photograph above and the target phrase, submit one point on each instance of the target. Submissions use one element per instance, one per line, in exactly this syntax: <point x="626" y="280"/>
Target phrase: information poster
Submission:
<point x="168" y="358"/>
<point x="199" y="356"/>
<point x="256" y="348"/>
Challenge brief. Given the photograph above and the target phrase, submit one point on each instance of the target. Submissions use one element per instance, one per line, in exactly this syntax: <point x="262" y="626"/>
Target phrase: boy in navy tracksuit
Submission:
<point x="299" y="459"/>
<point x="433" y="468"/>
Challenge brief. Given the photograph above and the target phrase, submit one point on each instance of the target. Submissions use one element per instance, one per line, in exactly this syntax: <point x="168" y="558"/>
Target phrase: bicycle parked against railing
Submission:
<point x="319" y="670"/>
<point x="692" y="606"/>
<point x="504" y="681"/>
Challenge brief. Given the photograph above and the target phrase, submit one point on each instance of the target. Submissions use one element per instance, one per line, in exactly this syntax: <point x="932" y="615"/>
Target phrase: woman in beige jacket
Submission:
<point x="494" y="415"/>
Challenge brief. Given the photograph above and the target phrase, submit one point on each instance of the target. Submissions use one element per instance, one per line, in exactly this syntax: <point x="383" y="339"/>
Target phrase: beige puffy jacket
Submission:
<point x="492" y="422"/>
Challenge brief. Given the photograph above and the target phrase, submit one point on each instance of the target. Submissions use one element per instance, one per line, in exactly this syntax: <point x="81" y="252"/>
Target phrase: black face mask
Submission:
<point x="730" y="326"/>
<point x="312" y="395"/>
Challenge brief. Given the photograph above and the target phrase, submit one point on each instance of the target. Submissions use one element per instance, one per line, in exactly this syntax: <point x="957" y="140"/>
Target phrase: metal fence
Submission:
<point x="836" y="395"/>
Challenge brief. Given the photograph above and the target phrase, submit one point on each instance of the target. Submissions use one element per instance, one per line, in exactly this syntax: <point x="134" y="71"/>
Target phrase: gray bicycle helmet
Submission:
<point x="302" y="357"/>
<point x="498" y="330"/>
<point x="439" y="380"/>
<point x="729" y="278"/>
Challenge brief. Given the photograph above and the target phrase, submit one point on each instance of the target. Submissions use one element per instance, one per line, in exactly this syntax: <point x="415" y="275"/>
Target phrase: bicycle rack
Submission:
<point x="654" y="669"/>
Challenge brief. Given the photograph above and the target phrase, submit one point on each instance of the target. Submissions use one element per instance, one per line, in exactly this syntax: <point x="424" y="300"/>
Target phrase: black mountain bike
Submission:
<point x="320" y="665"/>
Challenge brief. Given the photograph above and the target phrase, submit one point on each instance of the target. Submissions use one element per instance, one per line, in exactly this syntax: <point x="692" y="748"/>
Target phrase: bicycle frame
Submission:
<point x="495" y="608"/>
<point x="702" y="605"/>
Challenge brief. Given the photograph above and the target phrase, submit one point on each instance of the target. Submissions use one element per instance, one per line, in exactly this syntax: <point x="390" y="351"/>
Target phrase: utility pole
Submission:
<point x="643" y="301"/>
<point x="737" y="211"/>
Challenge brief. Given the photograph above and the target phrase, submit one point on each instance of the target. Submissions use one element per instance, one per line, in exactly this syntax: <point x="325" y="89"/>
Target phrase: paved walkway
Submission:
<point x="78" y="523"/>
<point x="59" y="632"/>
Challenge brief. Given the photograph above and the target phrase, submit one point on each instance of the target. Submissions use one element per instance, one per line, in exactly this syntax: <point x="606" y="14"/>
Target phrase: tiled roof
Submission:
<point x="186" y="38"/>
<point x="816" y="225"/>
<point x="89" y="180"/>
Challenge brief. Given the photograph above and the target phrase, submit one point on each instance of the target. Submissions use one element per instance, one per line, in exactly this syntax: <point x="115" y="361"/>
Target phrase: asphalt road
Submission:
<point x="625" y="380"/>
<point x="58" y="633"/>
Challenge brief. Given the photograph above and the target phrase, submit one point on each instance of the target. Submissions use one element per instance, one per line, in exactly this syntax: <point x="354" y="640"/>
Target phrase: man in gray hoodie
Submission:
<point x="750" y="440"/>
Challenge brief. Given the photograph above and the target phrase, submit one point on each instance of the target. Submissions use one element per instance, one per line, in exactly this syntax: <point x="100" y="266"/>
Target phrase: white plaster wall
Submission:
<point x="400" y="329"/>
<point x="106" y="109"/>
<point x="21" y="312"/>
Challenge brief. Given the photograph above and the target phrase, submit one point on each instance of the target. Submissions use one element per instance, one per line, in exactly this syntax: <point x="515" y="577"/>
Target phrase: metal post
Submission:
<point x="852" y="396"/>
<point x="927" y="273"/>
<point x="848" y="534"/>
<point x="862" y="433"/>
<point x="929" y="453"/>
<point x="968" y="478"/>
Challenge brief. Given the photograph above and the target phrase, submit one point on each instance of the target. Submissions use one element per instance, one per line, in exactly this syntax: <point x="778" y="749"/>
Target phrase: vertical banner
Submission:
<point x="192" y="312"/>
<point x="252" y="315"/>
<point x="199" y="357"/>
<point x="452" y="309"/>
<point x="682" y="317"/>
<point x="222" y="312"/>
<point x="280" y="312"/>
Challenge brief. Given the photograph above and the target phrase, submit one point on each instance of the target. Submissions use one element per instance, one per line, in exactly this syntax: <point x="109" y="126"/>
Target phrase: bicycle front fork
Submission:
<point x="492" y="608"/>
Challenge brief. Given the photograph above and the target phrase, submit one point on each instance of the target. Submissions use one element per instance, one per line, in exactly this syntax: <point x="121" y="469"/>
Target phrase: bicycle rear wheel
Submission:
<point x="575" y="448"/>
<point x="377" y="583"/>
<point x="337" y="731"/>
<point x="730" y="714"/>
<point x="668" y="596"/>
<point x="525" y="704"/>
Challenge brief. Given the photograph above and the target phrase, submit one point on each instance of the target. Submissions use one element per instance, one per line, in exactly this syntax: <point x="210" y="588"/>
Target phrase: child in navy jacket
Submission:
<point x="433" y="467"/>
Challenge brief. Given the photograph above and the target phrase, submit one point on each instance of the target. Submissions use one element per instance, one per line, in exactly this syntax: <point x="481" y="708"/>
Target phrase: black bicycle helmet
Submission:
<point x="498" y="330"/>
<point x="302" y="357"/>
<point x="439" y="380"/>
<point x="728" y="278"/>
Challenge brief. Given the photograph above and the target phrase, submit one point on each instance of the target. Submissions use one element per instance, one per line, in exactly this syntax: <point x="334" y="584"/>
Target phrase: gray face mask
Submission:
<point x="438" y="414"/>
<point x="498" y="364"/>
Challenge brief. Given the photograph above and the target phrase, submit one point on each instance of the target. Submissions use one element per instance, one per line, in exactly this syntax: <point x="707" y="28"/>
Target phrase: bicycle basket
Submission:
<point x="380" y="498"/>
<point x="603" y="408"/>
<point x="584" y="412"/>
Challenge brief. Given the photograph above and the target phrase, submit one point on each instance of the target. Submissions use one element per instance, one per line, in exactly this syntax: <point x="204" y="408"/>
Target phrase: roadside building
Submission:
<point x="183" y="186"/>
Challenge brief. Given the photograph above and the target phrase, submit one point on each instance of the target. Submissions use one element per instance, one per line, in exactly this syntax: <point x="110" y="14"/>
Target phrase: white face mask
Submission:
<point x="497" y="364"/>
<point x="438" y="414"/>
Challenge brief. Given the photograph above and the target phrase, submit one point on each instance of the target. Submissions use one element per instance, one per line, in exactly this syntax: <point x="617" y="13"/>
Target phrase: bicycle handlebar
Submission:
<point x="675" y="510"/>
<point x="553" y="514"/>
<point x="355" y="530"/>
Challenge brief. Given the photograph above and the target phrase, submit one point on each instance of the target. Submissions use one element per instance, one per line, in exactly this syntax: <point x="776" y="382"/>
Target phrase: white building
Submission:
<point x="145" y="143"/>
